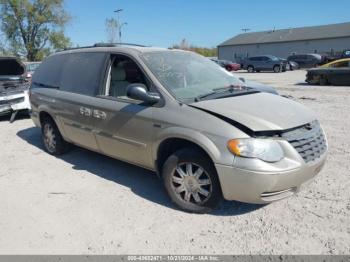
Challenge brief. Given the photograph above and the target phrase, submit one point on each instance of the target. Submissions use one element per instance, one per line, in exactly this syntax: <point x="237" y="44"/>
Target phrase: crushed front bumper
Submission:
<point x="264" y="187"/>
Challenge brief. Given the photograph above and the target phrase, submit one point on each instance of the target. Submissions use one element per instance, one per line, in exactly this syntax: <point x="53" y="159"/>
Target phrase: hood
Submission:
<point x="260" y="87"/>
<point x="260" y="111"/>
<point x="11" y="75"/>
<point x="10" y="66"/>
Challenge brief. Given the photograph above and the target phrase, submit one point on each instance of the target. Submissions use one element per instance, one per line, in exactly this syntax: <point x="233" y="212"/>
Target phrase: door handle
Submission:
<point x="99" y="114"/>
<point x="85" y="111"/>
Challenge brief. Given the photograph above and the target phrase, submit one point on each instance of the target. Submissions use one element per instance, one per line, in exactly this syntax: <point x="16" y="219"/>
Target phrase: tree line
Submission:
<point x="33" y="29"/>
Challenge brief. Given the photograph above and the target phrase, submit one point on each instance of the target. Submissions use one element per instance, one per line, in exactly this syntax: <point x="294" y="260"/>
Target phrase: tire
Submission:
<point x="183" y="186"/>
<point x="250" y="69"/>
<point x="277" y="68"/>
<point x="53" y="141"/>
<point x="323" y="80"/>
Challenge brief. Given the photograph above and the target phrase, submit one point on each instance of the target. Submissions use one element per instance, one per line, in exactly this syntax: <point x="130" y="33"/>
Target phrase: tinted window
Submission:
<point x="49" y="72"/>
<point x="82" y="72"/>
<point x="255" y="58"/>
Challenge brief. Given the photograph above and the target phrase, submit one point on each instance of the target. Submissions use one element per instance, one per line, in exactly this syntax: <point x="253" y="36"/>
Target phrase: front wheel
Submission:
<point x="250" y="69"/>
<point x="191" y="181"/>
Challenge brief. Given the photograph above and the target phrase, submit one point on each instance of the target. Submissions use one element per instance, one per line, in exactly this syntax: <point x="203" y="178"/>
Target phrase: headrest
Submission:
<point x="118" y="73"/>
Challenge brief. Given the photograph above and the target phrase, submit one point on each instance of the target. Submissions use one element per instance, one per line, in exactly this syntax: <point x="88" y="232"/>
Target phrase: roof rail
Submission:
<point x="116" y="44"/>
<point x="103" y="45"/>
<point x="79" y="47"/>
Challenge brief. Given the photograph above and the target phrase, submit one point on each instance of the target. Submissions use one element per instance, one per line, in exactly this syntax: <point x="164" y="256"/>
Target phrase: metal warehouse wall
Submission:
<point x="235" y="53"/>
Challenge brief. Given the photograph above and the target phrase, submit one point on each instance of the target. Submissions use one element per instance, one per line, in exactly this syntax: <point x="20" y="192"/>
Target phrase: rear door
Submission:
<point x="266" y="63"/>
<point x="80" y="82"/>
<point x="256" y="62"/>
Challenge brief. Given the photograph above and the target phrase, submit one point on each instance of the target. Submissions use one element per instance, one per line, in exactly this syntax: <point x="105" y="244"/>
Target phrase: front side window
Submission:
<point x="188" y="75"/>
<point x="123" y="72"/>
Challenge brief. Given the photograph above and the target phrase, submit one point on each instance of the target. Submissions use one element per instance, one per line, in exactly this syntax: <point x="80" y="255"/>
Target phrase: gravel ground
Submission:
<point x="86" y="203"/>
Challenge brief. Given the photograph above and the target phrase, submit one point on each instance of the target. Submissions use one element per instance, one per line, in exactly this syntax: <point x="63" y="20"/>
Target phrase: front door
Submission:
<point x="123" y="127"/>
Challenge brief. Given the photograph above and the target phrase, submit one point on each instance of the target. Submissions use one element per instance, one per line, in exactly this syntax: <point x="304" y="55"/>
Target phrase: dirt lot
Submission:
<point x="87" y="203"/>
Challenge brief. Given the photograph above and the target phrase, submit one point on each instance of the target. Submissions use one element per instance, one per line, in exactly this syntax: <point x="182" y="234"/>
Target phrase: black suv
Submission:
<point x="306" y="60"/>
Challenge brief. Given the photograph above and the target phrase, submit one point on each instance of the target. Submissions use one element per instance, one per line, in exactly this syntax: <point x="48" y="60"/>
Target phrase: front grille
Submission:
<point x="309" y="141"/>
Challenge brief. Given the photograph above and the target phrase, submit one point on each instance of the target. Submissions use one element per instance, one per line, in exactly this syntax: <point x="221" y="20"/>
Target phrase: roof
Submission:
<point x="292" y="34"/>
<point x="130" y="48"/>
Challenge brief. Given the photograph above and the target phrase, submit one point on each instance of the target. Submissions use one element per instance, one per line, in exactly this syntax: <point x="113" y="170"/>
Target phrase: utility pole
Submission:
<point x="120" y="31"/>
<point x="245" y="30"/>
<point x="120" y="24"/>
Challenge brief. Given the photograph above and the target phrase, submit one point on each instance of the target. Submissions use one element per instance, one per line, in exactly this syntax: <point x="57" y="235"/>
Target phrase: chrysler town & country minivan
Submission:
<point x="204" y="132"/>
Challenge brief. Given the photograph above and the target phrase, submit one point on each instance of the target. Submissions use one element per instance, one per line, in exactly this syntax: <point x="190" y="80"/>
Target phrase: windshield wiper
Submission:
<point x="231" y="90"/>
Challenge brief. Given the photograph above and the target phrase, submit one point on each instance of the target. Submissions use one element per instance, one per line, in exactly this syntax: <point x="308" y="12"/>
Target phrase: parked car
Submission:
<point x="13" y="87"/>
<point x="306" y="60"/>
<point x="30" y="68"/>
<point x="264" y="63"/>
<point x="177" y="113"/>
<point x="337" y="63"/>
<point x="291" y="65"/>
<point x="228" y="65"/>
<point x="334" y="73"/>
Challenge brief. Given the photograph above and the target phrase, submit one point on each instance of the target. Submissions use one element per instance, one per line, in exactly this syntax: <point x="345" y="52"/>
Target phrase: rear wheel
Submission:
<point x="250" y="69"/>
<point x="191" y="181"/>
<point x="277" y="68"/>
<point x="52" y="138"/>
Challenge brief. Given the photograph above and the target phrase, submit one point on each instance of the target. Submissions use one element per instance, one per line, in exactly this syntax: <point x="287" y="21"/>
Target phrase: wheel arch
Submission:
<point x="171" y="142"/>
<point x="45" y="112"/>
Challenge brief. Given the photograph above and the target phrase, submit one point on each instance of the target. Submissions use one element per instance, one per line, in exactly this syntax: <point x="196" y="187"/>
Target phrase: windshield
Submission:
<point x="188" y="75"/>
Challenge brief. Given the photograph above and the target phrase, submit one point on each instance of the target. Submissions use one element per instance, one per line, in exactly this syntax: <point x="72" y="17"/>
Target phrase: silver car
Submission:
<point x="204" y="133"/>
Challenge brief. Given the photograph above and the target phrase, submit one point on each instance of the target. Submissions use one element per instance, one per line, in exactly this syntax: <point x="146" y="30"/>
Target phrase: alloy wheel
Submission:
<point x="191" y="183"/>
<point x="49" y="138"/>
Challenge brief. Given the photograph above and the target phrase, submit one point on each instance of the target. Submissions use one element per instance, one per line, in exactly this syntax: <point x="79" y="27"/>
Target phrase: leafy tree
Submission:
<point x="34" y="28"/>
<point x="204" y="51"/>
<point x="112" y="30"/>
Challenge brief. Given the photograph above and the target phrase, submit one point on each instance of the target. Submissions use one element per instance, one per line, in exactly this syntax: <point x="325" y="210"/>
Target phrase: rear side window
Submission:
<point x="255" y="58"/>
<point x="82" y="73"/>
<point x="49" y="72"/>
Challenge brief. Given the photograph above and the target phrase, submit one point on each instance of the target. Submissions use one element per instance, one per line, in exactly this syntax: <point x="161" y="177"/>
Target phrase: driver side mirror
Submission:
<point x="139" y="92"/>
